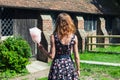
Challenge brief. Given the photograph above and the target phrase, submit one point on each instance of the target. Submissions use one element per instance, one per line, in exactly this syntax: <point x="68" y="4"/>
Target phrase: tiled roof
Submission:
<point x="84" y="6"/>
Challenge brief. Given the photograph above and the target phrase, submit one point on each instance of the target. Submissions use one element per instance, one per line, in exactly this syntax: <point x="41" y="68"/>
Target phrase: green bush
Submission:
<point x="14" y="54"/>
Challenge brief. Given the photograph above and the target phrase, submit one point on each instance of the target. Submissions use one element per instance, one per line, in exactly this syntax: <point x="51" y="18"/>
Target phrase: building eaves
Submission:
<point x="84" y="6"/>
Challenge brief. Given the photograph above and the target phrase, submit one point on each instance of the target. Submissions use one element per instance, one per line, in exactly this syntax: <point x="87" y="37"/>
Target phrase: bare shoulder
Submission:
<point x="76" y="39"/>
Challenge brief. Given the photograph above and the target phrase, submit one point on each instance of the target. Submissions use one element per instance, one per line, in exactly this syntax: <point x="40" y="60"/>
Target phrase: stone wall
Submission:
<point x="101" y="30"/>
<point x="81" y="34"/>
<point x="47" y="30"/>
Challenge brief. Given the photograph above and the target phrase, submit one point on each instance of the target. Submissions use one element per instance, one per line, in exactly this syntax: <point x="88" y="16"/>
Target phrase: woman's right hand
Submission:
<point x="40" y="46"/>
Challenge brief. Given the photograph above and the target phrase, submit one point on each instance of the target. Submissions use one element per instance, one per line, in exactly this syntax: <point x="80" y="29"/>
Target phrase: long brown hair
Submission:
<point x="64" y="25"/>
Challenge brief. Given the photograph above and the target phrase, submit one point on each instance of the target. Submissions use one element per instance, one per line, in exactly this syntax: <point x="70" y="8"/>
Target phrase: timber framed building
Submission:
<point x="91" y="17"/>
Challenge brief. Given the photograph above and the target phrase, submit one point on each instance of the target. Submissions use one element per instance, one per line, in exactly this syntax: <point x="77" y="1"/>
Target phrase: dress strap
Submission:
<point x="55" y="36"/>
<point x="72" y="39"/>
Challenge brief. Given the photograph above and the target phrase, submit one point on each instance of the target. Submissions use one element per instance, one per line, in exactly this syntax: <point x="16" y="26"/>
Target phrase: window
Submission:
<point x="54" y="17"/>
<point x="90" y="23"/>
<point x="108" y="24"/>
<point x="6" y="22"/>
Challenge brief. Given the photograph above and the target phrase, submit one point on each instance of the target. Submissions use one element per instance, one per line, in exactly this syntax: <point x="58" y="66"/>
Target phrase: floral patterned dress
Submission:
<point x="62" y="67"/>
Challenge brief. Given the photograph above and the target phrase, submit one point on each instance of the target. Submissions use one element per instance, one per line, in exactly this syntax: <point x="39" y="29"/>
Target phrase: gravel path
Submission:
<point x="33" y="76"/>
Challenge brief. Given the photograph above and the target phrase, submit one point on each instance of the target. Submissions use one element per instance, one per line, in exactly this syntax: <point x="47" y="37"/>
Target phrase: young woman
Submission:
<point x="63" y="42"/>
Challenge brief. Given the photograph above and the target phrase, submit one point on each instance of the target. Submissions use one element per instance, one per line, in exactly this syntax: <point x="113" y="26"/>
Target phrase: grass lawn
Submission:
<point x="102" y="57"/>
<point x="98" y="72"/>
<point x="12" y="74"/>
<point x="109" y="49"/>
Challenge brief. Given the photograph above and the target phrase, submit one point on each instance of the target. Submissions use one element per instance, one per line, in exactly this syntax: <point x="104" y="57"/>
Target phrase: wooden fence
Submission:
<point x="91" y="43"/>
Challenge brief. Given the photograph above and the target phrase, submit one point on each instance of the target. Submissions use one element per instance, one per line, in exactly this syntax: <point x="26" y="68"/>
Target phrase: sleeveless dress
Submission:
<point x="62" y="67"/>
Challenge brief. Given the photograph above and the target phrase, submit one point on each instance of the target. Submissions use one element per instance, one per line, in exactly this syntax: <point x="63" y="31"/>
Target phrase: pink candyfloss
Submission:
<point x="35" y="34"/>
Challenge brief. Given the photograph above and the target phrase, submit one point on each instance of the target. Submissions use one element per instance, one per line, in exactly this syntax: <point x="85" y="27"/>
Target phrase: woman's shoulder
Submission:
<point x="75" y="35"/>
<point x="75" y="38"/>
<point x="52" y="36"/>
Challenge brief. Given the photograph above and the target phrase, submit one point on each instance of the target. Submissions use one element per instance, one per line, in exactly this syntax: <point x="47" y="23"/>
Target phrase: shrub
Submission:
<point x="14" y="54"/>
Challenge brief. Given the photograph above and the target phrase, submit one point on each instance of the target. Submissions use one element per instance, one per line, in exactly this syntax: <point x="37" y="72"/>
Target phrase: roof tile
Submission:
<point x="84" y="6"/>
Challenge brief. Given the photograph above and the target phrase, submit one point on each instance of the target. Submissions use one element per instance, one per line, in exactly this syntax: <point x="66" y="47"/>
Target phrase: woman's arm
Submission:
<point x="76" y="55"/>
<point x="52" y="48"/>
